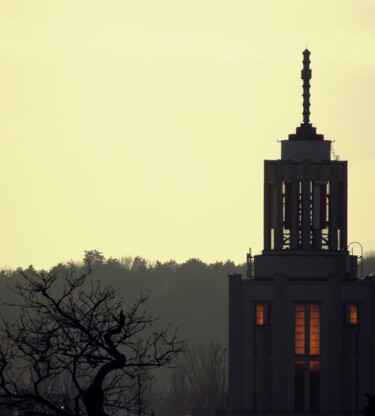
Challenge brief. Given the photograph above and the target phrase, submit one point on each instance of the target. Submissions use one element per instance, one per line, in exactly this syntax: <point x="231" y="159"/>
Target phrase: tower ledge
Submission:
<point x="300" y="150"/>
<point x="310" y="265"/>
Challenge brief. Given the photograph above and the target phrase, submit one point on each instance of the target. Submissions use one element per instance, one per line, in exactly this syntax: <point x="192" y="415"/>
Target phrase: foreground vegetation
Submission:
<point x="192" y="295"/>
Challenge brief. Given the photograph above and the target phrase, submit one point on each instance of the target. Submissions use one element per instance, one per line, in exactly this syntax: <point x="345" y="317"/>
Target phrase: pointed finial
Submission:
<point x="306" y="131"/>
<point x="306" y="76"/>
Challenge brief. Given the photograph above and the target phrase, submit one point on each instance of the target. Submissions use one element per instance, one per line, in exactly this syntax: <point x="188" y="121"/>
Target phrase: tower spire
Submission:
<point x="306" y="131"/>
<point x="306" y="76"/>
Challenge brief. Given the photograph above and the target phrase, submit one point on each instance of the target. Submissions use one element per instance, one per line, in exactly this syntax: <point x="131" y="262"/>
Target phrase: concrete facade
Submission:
<point x="302" y="326"/>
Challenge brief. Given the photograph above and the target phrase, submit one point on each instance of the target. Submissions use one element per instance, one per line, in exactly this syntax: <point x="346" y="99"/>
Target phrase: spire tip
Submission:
<point x="306" y="76"/>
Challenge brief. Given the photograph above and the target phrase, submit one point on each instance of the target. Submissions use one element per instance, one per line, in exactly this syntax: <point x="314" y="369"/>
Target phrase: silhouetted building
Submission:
<point x="302" y="325"/>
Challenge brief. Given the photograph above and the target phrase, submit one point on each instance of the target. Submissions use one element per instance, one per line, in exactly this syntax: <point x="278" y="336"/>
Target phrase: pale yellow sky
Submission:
<point x="139" y="127"/>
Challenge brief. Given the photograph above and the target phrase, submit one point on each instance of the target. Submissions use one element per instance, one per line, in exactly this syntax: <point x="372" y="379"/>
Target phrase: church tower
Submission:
<point x="302" y="326"/>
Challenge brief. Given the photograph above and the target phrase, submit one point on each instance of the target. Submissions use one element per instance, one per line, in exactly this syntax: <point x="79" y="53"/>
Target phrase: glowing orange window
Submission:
<point x="314" y="329"/>
<point x="259" y="312"/>
<point x="353" y="314"/>
<point x="299" y="329"/>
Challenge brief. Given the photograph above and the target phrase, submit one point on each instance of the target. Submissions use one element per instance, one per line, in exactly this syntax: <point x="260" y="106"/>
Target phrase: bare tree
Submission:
<point x="199" y="382"/>
<point x="76" y="348"/>
<point x="205" y="376"/>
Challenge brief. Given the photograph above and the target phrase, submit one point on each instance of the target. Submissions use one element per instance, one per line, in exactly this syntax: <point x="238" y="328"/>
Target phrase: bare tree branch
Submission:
<point x="76" y="348"/>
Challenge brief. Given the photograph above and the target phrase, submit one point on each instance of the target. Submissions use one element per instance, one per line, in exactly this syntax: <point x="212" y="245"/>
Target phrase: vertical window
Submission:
<point x="259" y="312"/>
<point x="263" y="354"/>
<point x="262" y="324"/>
<point x="350" y="314"/>
<point x="299" y="330"/>
<point x="350" y="351"/>
<point x="307" y="355"/>
<point x="307" y="329"/>
<point x="353" y="314"/>
<point x="314" y="330"/>
<point x="262" y="314"/>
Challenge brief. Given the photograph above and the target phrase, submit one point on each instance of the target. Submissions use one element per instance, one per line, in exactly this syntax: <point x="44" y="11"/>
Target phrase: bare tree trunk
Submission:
<point x="93" y="399"/>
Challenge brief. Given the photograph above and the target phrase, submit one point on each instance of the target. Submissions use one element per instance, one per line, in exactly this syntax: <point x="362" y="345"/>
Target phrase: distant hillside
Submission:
<point x="192" y="294"/>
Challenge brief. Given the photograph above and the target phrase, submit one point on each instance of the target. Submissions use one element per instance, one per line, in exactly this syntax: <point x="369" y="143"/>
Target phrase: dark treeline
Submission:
<point x="369" y="263"/>
<point x="192" y="295"/>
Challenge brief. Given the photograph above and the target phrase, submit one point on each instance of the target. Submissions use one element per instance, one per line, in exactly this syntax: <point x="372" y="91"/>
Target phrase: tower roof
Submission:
<point x="306" y="131"/>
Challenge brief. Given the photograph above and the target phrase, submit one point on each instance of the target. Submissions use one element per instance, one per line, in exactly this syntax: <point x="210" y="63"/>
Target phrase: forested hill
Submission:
<point x="192" y="295"/>
<point x="369" y="263"/>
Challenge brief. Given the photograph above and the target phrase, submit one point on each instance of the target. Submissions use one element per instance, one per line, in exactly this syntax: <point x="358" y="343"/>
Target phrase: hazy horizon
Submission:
<point x="140" y="127"/>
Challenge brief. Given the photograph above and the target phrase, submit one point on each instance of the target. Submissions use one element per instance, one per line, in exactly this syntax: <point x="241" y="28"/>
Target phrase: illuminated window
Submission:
<point x="263" y="354"/>
<point x="302" y="327"/>
<point x="314" y="330"/>
<point x="307" y="352"/>
<point x="262" y="314"/>
<point x="353" y="314"/>
<point x="299" y="330"/>
<point x="350" y="314"/>
<point x="259" y="310"/>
